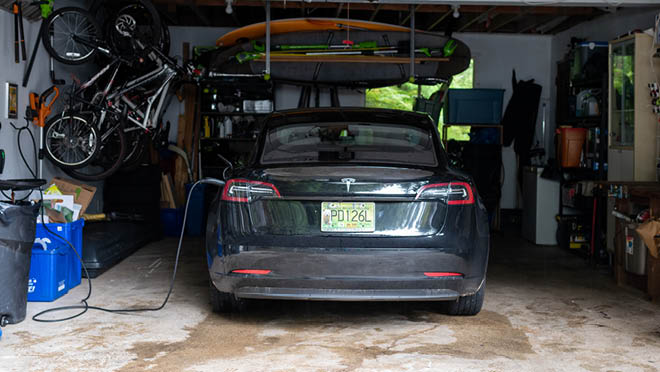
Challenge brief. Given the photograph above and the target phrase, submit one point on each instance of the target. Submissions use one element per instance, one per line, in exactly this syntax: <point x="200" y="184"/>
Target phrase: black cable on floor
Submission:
<point x="85" y="305"/>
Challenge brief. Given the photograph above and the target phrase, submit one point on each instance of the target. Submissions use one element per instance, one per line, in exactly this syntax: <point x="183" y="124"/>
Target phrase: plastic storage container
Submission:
<point x="49" y="271"/>
<point x="473" y="106"/>
<point x="570" y="145"/>
<point x="428" y="106"/>
<point x="196" y="210"/>
<point x="635" y="260"/>
<point x="172" y="221"/>
<point x="431" y="106"/>
<point x="73" y="232"/>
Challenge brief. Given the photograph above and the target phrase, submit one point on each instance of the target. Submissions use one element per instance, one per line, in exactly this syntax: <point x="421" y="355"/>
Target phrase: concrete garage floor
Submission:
<point x="545" y="310"/>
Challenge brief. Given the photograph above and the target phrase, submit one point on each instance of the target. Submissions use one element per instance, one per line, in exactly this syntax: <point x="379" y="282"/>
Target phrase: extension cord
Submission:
<point x="85" y="306"/>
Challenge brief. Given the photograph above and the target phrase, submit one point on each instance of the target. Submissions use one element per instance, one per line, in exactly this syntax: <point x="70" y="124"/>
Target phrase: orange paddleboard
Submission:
<point x="282" y="26"/>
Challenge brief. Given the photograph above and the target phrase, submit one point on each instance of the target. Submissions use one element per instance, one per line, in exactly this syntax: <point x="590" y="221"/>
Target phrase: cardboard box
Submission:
<point x="82" y="194"/>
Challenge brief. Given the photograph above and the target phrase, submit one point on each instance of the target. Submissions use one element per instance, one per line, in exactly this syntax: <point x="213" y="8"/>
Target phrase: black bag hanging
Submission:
<point x="18" y="226"/>
<point x="519" y="119"/>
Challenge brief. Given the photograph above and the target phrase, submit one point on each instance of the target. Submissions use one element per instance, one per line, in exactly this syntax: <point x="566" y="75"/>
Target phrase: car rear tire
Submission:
<point x="467" y="305"/>
<point x="222" y="302"/>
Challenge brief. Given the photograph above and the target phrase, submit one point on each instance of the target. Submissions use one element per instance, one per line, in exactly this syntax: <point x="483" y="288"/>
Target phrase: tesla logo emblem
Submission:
<point x="348" y="182"/>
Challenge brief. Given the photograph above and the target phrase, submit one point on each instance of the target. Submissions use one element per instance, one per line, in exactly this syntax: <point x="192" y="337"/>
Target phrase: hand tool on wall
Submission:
<point x="19" y="32"/>
<point x="39" y="108"/>
<point x="38" y="112"/>
<point x="46" y="7"/>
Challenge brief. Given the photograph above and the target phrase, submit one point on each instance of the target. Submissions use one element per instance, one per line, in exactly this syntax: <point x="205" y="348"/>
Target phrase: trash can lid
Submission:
<point x="21" y="184"/>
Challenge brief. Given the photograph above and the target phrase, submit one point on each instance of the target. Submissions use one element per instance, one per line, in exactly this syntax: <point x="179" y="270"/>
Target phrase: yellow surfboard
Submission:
<point x="281" y="26"/>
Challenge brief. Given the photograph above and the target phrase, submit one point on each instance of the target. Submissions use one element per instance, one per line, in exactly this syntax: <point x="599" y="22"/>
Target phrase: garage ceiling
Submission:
<point x="499" y="16"/>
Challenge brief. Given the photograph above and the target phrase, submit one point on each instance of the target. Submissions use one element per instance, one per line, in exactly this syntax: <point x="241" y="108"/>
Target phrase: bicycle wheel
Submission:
<point x="70" y="140"/>
<point x="135" y="20"/>
<point x="58" y="33"/>
<point x="137" y="142"/>
<point x="109" y="159"/>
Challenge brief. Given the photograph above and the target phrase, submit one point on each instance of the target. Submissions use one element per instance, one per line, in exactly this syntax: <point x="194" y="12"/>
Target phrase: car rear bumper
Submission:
<point x="322" y="294"/>
<point x="350" y="275"/>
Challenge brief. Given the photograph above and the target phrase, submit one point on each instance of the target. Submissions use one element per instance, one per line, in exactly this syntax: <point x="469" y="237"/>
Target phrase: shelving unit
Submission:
<point x="632" y="124"/>
<point x="231" y="114"/>
<point x="580" y="216"/>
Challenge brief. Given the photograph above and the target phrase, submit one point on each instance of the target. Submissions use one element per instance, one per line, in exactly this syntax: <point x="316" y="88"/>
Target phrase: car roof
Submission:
<point x="349" y="114"/>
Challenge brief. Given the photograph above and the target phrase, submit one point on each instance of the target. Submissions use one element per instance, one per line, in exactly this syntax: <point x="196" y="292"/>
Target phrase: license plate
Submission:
<point x="348" y="217"/>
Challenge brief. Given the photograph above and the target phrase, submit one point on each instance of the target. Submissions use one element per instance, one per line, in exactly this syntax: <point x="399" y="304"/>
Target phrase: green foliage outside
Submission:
<point x="402" y="97"/>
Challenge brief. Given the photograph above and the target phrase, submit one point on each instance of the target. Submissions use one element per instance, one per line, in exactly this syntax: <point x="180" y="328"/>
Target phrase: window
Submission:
<point x="402" y="97"/>
<point x="349" y="143"/>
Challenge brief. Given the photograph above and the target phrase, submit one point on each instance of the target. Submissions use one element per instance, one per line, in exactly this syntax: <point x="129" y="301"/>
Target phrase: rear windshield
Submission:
<point x="349" y="143"/>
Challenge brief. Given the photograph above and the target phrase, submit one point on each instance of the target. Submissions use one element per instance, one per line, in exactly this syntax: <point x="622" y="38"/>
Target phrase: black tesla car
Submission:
<point x="348" y="204"/>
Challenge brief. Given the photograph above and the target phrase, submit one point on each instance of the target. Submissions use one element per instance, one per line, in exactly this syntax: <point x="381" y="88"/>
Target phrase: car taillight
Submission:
<point x="441" y="274"/>
<point x="251" y="272"/>
<point x="245" y="190"/>
<point x="456" y="193"/>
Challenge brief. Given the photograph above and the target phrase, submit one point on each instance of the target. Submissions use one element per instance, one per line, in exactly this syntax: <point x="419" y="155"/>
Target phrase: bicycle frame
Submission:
<point x="151" y="115"/>
<point x="110" y="99"/>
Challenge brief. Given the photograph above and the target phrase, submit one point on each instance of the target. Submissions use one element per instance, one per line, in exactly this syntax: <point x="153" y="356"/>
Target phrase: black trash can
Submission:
<point x="17" y="232"/>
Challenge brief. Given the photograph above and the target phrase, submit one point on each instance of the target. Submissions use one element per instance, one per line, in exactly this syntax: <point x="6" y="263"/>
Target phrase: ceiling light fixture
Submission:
<point x="229" y="9"/>
<point x="456" y="13"/>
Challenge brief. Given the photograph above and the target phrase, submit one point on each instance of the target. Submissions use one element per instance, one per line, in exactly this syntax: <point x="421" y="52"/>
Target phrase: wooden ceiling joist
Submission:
<point x="202" y="17"/>
<point x="375" y="13"/>
<point x="531" y="26"/>
<point x="477" y="18"/>
<point x="421" y="8"/>
<point x="566" y="24"/>
<point x="405" y="20"/>
<point x="508" y="20"/>
<point x="440" y="19"/>
<point x="504" y="18"/>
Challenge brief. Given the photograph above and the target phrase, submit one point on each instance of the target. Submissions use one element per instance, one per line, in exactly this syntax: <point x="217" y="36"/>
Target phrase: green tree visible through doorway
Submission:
<point x="402" y="97"/>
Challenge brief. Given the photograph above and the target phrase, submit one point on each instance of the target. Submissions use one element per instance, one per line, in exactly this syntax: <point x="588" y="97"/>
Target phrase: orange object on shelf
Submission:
<point x="571" y="141"/>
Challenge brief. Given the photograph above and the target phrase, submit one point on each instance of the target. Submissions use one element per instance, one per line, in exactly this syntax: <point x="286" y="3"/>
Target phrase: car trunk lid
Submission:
<point x="302" y="191"/>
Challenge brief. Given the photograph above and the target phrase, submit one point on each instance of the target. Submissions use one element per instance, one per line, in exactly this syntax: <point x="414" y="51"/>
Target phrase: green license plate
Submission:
<point x="348" y="217"/>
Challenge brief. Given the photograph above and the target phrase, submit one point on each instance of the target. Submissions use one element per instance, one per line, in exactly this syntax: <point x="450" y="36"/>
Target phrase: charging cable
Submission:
<point x="84" y="307"/>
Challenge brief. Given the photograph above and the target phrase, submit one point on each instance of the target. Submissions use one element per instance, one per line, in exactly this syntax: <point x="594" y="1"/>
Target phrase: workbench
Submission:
<point x="639" y="194"/>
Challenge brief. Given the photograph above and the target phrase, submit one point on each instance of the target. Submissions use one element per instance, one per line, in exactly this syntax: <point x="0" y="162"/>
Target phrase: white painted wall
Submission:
<point x="12" y="72"/>
<point x="39" y="81"/>
<point x="495" y="57"/>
